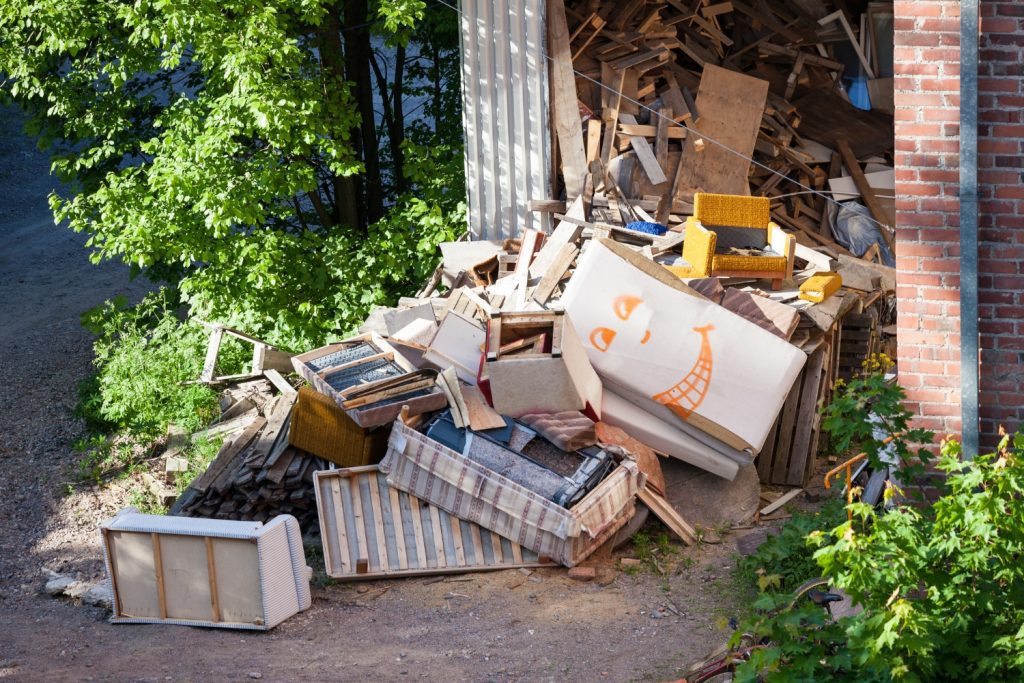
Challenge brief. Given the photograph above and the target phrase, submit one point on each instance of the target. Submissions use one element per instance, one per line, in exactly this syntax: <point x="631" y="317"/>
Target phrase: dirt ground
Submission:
<point x="482" y="627"/>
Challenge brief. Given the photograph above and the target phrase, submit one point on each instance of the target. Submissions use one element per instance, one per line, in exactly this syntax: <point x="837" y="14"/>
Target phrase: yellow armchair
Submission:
<point x="725" y="223"/>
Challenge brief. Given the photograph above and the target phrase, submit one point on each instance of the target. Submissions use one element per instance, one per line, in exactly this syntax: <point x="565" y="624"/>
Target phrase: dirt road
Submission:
<point x="483" y="627"/>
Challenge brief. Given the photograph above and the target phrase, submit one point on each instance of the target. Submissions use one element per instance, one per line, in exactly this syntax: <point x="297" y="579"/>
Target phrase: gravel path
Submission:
<point x="498" y="626"/>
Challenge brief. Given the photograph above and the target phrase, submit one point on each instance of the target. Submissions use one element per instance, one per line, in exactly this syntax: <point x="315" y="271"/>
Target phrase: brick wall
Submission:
<point x="927" y="97"/>
<point x="927" y="140"/>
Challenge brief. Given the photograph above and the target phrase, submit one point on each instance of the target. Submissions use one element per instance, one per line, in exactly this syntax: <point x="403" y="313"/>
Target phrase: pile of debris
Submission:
<point x="518" y="410"/>
<point x="678" y="97"/>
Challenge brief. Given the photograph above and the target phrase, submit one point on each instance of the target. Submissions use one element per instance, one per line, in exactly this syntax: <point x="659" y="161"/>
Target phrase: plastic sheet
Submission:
<point x="853" y="227"/>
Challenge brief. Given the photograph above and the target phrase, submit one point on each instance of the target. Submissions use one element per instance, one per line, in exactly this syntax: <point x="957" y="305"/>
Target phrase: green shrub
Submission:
<point x="786" y="559"/>
<point x="941" y="586"/>
<point x="143" y="354"/>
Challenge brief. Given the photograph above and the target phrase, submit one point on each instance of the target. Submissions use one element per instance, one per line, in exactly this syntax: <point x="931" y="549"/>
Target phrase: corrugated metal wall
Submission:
<point x="505" y="114"/>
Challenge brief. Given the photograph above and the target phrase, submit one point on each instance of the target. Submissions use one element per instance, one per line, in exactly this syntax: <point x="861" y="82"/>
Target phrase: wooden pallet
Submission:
<point x="860" y="339"/>
<point x="371" y="530"/>
<point x="792" y="444"/>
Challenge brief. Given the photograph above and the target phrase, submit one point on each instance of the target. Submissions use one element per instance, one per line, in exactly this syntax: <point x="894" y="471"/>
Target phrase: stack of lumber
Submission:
<point x="658" y="83"/>
<point x="256" y="475"/>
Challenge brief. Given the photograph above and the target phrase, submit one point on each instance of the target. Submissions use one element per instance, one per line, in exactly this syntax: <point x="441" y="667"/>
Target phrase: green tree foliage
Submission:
<point x="232" y="147"/>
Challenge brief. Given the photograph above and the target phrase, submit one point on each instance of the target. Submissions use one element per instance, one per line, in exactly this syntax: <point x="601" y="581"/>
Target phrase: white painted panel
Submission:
<point x="505" y="115"/>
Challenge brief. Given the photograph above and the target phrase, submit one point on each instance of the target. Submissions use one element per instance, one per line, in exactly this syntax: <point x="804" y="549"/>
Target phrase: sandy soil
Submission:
<point x="484" y="627"/>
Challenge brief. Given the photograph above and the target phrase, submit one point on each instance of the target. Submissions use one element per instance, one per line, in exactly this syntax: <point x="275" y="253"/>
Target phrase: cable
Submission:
<point x="703" y="136"/>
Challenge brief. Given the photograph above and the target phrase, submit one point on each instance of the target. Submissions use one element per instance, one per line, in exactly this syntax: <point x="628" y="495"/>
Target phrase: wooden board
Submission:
<point x="826" y="117"/>
<point x="730" y="106"/>
<point x="565" y="107"/>
<point x="371" y="530"/>
<point x="790" y="449"/>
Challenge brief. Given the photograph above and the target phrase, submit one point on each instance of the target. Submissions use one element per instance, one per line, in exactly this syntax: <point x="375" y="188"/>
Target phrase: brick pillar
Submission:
<point x="927" y="87"/>
<point x="1001" y="216"/>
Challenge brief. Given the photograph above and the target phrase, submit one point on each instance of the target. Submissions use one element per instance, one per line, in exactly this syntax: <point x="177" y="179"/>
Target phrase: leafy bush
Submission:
<point x="786" y="559"/>
<point x="143" y="353"/>
<point x="868" y="414"/>
<point x="941" y="586"/>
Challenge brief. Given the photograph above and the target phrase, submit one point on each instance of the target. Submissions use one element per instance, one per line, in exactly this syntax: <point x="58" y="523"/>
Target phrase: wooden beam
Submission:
<point x="866" y="191"/>
<point x="565" y="104"/>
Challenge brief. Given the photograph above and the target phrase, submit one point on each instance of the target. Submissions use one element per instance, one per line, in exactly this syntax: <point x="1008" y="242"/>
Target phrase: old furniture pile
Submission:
<point x="516" y="412"/>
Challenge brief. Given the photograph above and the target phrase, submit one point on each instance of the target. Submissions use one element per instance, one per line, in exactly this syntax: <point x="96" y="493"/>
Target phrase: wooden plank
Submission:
<point x="158" y="567"/>
<point x="644" y="153"/>
<point x="383" y="559"/>
<point x="610" y="113"/>
<point x="227" y="455"/>
<point x="435" y="525"/>
<point x="866" y="191"/>
<point x="481" y="415"/>
<point x="417" y="527"/>
<point x="565" y="106"/>
<point x="274" y="426"/>
<point x="838" y="16"/>
<point x="731" y="106"/>
<point x="212" y="350"/>
<point x="345" y="559"/>
<point x="211" y="569"/>
<point x="496" y="545"/>
<point x="517" y="552"/>
<point x="363" y="555"/>
<point x="460" y="550"/>
<point x="449" y="384"/>
<point x="772" y="507"/>
<point x="767" y="455"/>
<point x="546" y="287"/>
<point x="399" y="524"/>
<point x="478" y="545"/>
<point x="668" y="515"/>
<point x="279" y="382"/>
<point x="566" y="232"/>
<point x="664" y="119"/>
<point x="785" y="440"/>
<point x="802" y="459"/>
<point x="593" y="140"/>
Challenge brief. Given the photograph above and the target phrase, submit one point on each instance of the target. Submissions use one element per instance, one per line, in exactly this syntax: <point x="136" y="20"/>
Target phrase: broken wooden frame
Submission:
<point x="264" y="356"/>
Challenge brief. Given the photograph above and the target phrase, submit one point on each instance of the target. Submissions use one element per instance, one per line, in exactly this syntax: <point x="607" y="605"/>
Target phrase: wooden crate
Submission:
<point x="792" y="444"/>
<point x="371" y="530"/>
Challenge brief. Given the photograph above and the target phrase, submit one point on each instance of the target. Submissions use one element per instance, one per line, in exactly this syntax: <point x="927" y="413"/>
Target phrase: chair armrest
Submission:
<point x="699" y="247"/>
<point x="784" y="244"/>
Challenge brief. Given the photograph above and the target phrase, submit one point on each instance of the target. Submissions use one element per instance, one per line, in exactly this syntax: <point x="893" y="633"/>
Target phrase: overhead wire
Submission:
<point x="693" y="131"/>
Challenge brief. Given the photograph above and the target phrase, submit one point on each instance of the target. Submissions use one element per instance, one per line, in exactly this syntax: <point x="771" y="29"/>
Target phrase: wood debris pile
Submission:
<point x="256" y="474"/>
<point x="764" y="79"/>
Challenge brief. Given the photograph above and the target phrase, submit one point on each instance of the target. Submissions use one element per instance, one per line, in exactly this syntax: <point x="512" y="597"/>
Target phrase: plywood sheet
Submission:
<point x="731" y="106"/>
<point x="371" y="530"/>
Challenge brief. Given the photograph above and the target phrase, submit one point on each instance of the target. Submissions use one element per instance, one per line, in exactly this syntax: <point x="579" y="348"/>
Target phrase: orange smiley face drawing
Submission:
<point x="601" y="337"/>
<point x="686" y="394"/>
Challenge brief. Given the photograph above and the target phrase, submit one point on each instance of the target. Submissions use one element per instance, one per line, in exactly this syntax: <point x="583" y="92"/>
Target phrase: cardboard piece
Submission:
<point x="458" y="343"/>
<point x="397" y="318"/>
<point x="646" y="332"/>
